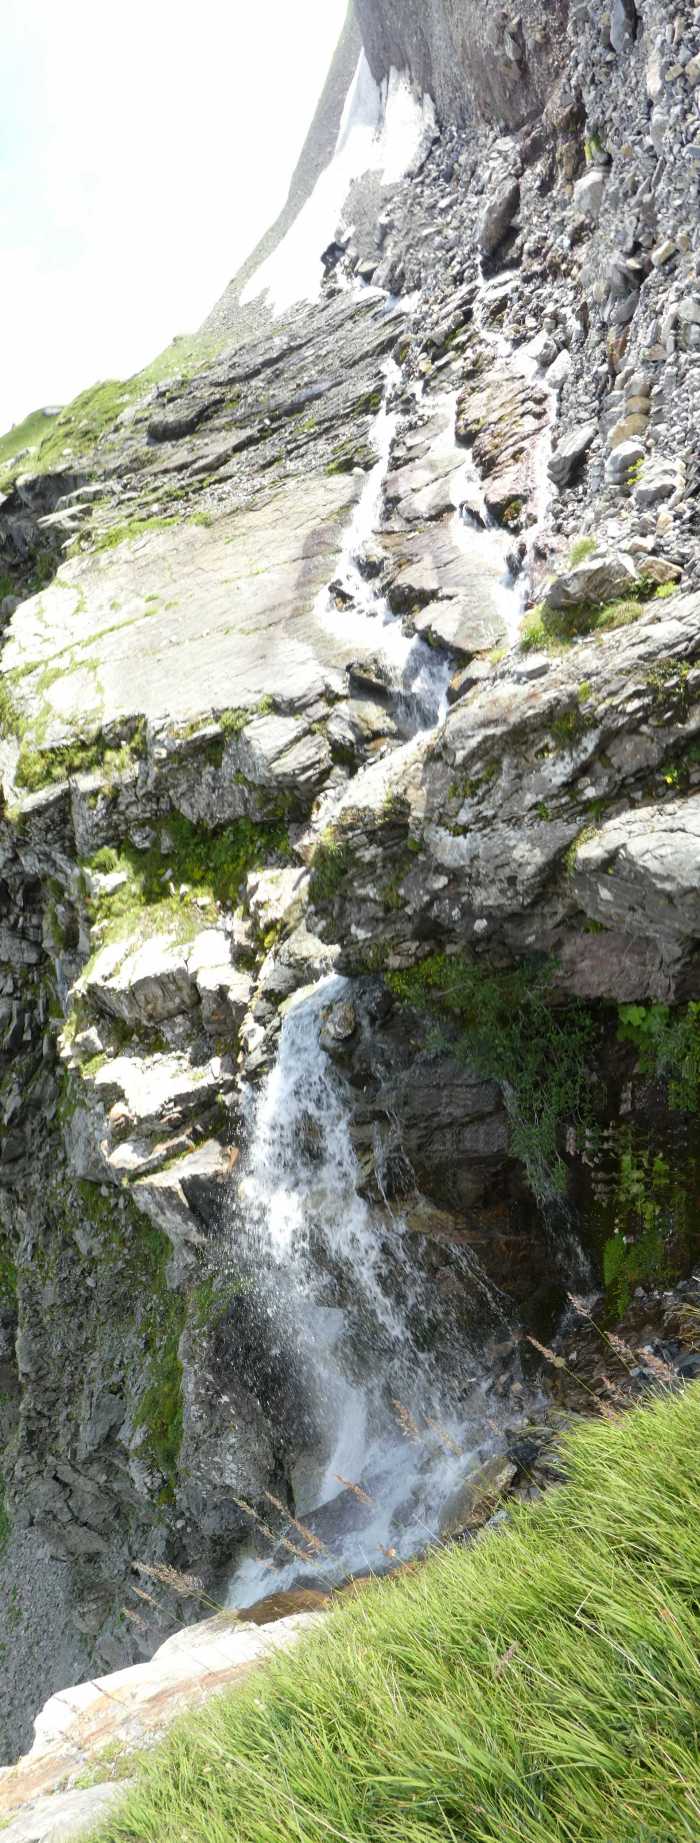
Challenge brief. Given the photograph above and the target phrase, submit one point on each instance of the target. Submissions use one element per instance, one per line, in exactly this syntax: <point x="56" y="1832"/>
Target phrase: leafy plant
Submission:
<point x="668" y="1046"/>
<point x="638" y="1252"/>
<point x="330" y="862"/>
<point x="582" y="549"/>
<point x="511" y="1031"/>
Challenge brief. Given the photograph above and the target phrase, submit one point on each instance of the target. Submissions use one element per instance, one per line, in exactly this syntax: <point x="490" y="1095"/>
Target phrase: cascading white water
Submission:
<point x="367" y="620"/>
<point x="521" y="360"/>
<point x="389" y="1426"/>
<point x="345" y="1294"/>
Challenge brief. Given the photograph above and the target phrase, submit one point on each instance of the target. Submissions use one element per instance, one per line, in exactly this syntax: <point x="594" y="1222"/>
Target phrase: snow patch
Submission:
<point x="382" y="131"/>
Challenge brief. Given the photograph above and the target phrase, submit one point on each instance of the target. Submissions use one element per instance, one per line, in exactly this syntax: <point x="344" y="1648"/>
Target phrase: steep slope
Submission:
<point x="374" y="653"/>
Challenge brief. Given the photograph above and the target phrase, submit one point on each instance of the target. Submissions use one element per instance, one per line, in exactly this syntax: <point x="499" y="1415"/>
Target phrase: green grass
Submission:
<point x="542" y="1686"/>
<point x="552" y="630"/>
<point x="73" y="434"/>
<point x="581" y="549"/>
<point x="27" y="434"/>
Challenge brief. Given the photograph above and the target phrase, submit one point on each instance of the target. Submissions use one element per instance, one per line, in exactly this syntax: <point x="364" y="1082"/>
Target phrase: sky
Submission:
<point x="144" y="148"/>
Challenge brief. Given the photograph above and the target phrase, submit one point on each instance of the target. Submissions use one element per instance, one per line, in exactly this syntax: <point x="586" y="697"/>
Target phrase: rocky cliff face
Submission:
<point x="481" y="63"/>
<point x="270" y="707"/>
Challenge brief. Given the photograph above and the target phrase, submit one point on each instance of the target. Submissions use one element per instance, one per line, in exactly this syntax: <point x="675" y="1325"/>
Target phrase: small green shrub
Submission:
<point x="330" y="862"/>
<point x="637" y="1254"/>
<point x="582" y="549"/>
<point x="37" y="768"/>
<point x="569" y="727"/>
<point x="668" y="1046"/>
<point x="511" y="1032"/>
<point x="105" y="860"/>
<point x="665" y="589"/>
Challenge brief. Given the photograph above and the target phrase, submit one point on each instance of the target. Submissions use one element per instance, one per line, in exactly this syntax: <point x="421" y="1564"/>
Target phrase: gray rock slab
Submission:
<point x="143" y="984"/>
<point x="449" y="585"/>
<point x="498" y="216"/>
<point x="642" y="871"/>
<point x="230" y="616"/>
<point x="64" y="1816"/>
<point x="498" y="797"/>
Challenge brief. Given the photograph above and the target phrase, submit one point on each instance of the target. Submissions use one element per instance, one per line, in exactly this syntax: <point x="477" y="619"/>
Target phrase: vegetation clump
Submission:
<point x="186" y="872"/>
<point x="512" y="1033"/>
<point x="668" y="1046"/>
<point x="647" y="1204"/>
<point x="37" y="768"/>
<point x="552" y="630"/>
<point x="330" y="862"/>
<point x="581" y="550"/>
<point x="72" y="433"/>
<point x="538" y="1686"/>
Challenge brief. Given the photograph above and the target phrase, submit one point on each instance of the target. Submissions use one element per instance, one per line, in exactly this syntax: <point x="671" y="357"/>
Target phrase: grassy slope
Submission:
<point x="27" y="434"/>
<point x="542" y="1685"/>
<point x="72" y="434"/>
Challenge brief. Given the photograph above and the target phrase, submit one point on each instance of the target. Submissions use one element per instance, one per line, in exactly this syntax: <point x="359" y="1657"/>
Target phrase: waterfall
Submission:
<point x="379" y="1402"/>
<point x="418" y="673"/>
<point x="338" y="1292"/>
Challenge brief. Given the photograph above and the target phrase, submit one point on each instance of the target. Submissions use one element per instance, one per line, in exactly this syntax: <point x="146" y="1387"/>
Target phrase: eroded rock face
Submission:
<point x="475" y="831"/>
<point x="473" y="60"/>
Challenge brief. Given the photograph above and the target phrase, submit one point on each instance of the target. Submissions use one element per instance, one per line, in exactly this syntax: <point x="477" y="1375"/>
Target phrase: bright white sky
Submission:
<point x="144" y="147"/>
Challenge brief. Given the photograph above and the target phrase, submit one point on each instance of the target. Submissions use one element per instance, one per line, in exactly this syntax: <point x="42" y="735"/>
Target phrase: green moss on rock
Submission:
<point x="329" y="865"/>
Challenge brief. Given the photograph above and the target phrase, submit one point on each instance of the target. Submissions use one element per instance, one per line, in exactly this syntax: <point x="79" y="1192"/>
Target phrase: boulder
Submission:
<point x="65" y="1816"/>
<point x="597" y="580"/>
<point x="500" y="211"/>
<point x="588" y="192"/>
<point x="641" y="872"/>
<point x="569" y="454"/>
<point x="624" y="22"/>
<point x="659" y="480"/>
<point x="623" y="461"/>
<point x="142" y="982"/>
<point x="130" y="1708"/>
